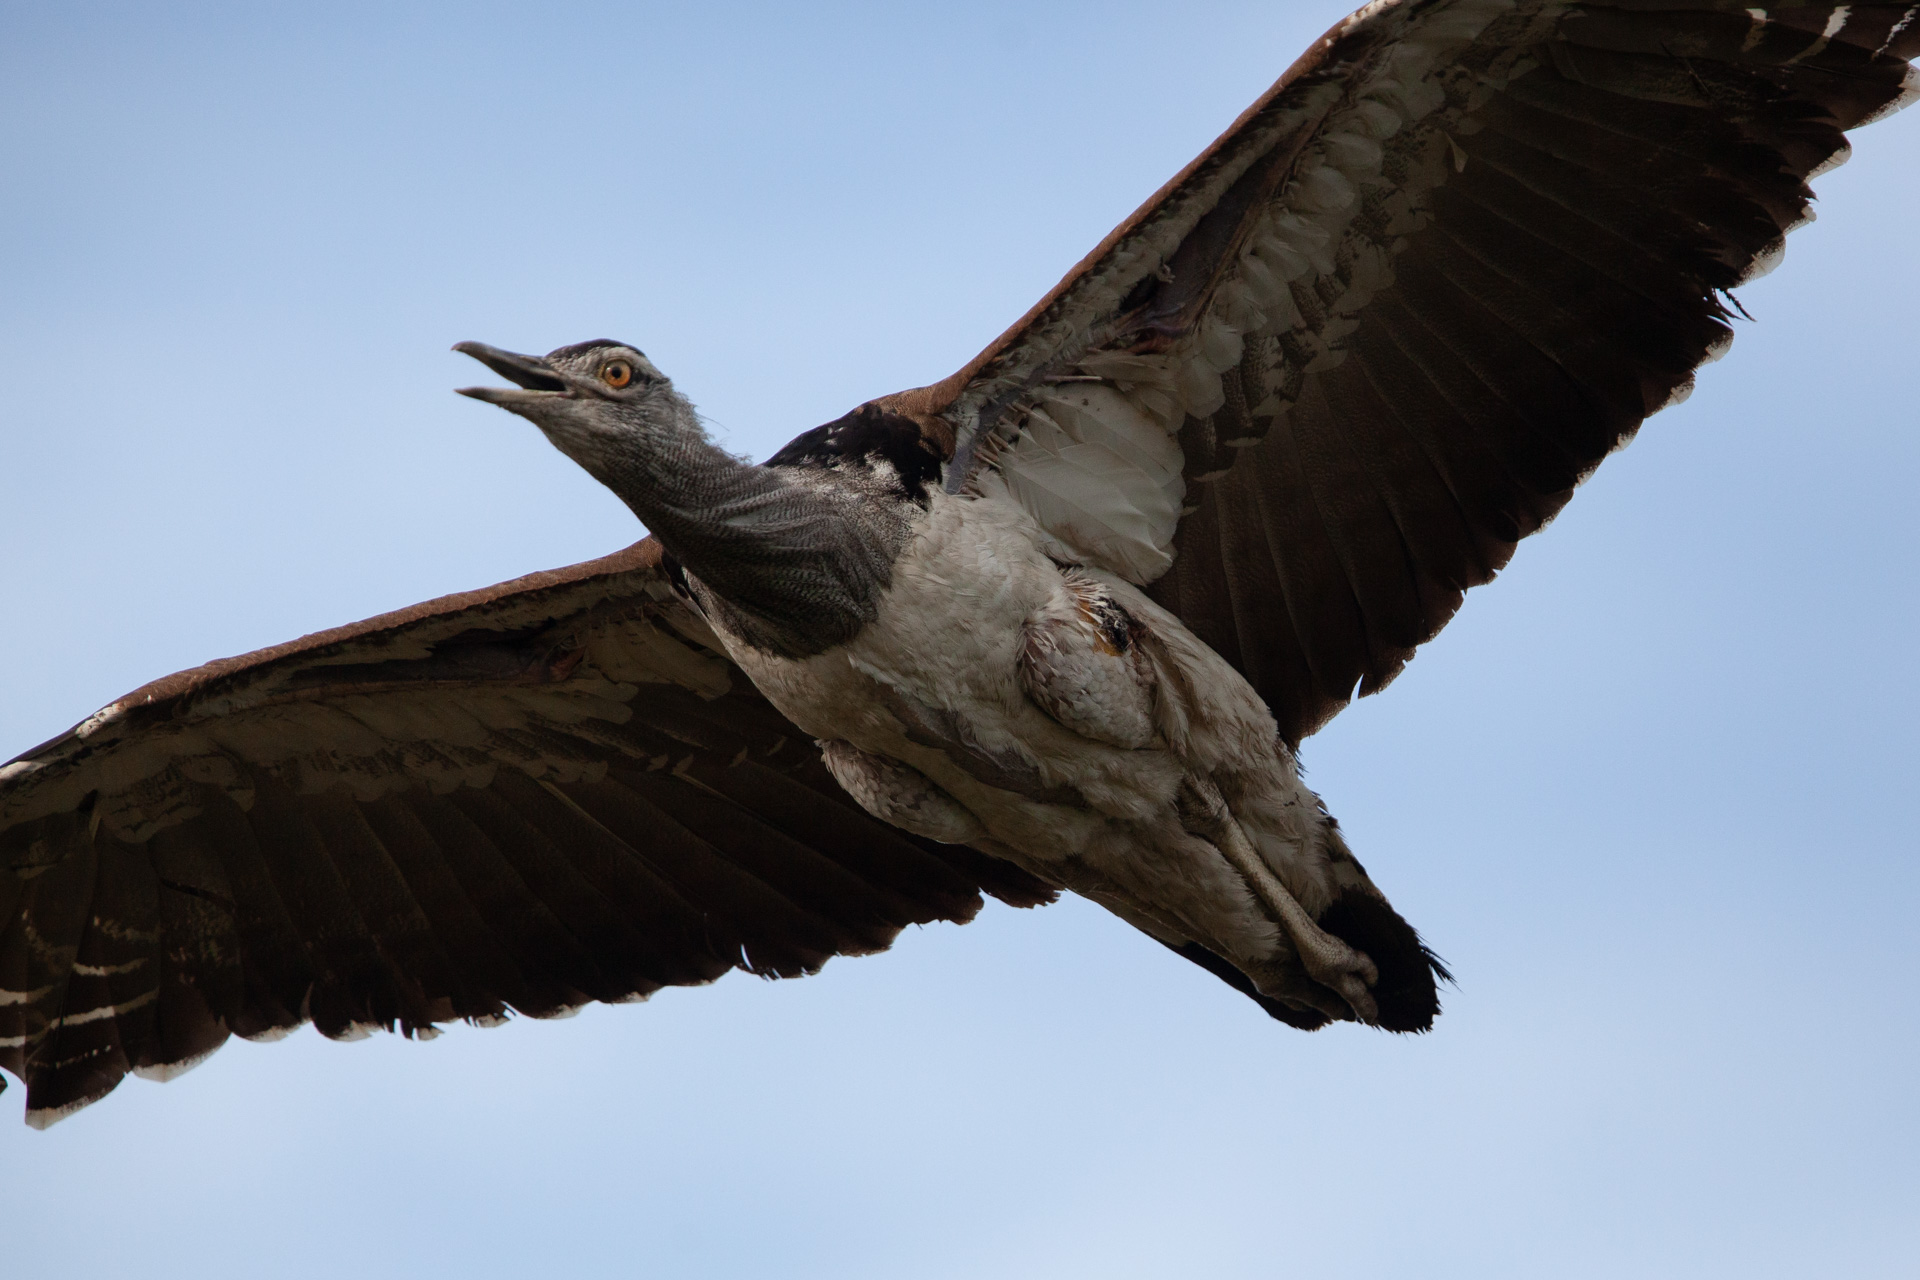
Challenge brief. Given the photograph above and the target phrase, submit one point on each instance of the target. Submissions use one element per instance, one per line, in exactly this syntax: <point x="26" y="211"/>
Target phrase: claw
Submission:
<point x="1328" y="960"/>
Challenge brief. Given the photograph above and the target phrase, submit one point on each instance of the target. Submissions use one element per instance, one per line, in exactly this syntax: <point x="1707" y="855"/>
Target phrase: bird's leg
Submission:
<point x="1327" y="959"/>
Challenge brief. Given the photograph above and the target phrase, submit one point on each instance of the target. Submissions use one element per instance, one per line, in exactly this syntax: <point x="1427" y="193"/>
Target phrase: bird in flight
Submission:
<point x="1059" y="622"/>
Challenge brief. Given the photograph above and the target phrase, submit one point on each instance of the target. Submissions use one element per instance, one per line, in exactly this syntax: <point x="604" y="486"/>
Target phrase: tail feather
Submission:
<point x="1407" y="993"/>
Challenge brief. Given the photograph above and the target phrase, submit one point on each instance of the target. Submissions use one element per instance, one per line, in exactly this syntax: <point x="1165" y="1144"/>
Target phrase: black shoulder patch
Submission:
<point x="865" y="437"/>
<point x="676" y="574"/>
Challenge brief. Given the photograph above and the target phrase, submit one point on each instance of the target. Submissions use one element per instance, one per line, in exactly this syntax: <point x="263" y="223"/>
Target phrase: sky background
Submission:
<point x="1651" y="794"/>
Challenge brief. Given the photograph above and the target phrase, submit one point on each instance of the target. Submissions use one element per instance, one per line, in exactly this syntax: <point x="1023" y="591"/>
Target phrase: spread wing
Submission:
<point x="1328" y="377"/>
<point x="553" y="791"/>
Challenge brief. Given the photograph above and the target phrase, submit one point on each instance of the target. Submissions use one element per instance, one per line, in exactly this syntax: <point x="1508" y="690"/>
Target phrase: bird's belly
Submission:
<point x="934" y="682"/>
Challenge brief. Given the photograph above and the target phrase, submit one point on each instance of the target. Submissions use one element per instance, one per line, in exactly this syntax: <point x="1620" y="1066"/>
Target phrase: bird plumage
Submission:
<point x="1257" y="445"/>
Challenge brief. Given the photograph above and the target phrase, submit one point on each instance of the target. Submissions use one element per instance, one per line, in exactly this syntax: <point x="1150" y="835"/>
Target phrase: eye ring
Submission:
<point x="616" y="373"/>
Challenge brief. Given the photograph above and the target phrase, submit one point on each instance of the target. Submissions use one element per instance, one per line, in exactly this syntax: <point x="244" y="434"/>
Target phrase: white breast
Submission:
<point x="947" y="634"/>
<point x="936" y="682"/>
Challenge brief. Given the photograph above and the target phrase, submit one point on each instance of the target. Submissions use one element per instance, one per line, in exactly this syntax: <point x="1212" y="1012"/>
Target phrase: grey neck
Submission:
<point x="787" y="561"/>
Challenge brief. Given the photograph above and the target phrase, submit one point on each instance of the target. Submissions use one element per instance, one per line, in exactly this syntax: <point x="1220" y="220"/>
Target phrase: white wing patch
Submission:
<point x="1100" y="475"/>
<point x="1099" y="464"/>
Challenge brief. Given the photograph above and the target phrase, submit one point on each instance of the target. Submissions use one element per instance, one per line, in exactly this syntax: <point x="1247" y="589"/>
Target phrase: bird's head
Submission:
<point x="601" y="403"/>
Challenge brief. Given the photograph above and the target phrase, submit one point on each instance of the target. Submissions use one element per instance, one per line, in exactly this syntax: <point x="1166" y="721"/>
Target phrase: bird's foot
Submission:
<point x="1333" y="964"/>
<point x="1283" y="978"/>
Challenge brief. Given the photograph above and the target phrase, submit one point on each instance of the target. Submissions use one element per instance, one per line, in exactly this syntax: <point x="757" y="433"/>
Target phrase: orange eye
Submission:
<point x="617" y="374"/>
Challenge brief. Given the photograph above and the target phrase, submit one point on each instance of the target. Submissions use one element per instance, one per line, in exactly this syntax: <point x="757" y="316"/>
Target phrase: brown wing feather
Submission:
<point x="1459" y="252"/>
<point x="520" y="799"/>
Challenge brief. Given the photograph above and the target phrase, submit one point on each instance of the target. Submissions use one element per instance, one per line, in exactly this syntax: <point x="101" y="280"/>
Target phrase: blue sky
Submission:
<point x="1650" y="794"/>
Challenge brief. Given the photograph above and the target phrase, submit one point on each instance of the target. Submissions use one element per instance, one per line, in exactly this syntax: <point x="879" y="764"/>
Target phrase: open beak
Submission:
<point x="535" y="377"/>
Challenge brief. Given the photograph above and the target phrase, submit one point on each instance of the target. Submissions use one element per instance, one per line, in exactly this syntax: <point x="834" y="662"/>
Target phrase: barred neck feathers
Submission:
<point x="792" y="556"/>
